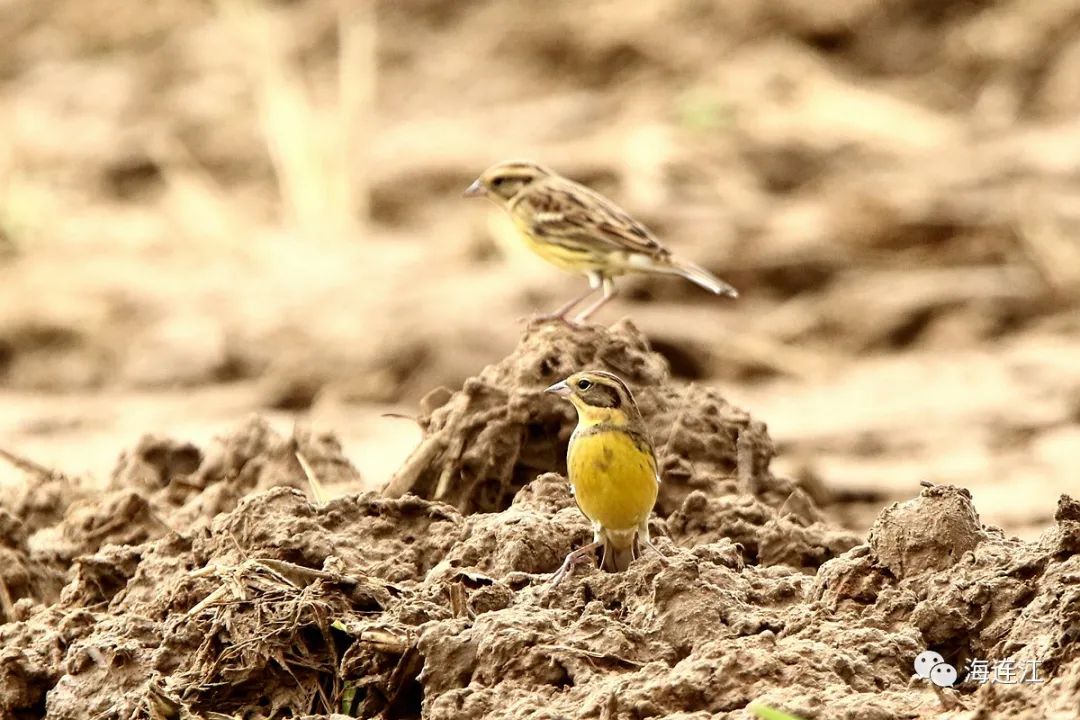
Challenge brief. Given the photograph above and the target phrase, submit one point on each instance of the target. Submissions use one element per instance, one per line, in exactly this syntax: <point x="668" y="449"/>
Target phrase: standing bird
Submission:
<point x="581" y="231"/>
<point x="612" y="468"/>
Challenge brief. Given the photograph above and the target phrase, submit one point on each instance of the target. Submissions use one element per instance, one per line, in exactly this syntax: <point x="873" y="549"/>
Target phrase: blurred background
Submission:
<point x="209" y="209"/>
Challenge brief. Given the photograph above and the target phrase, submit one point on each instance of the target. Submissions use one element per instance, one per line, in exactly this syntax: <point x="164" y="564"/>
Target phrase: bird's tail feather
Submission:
<point x="617" y="559"/>
<point x="700" y="276"/>
<point x="619" y="551"/>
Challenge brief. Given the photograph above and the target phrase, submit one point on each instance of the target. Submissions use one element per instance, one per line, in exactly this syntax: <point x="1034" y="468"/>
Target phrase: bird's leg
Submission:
<point x="609" y="292"/>
<point x="575" y="557"/>
<point x="648" y="543"/>
<point x="643" y="537"/>
<point x="561" y="312"/>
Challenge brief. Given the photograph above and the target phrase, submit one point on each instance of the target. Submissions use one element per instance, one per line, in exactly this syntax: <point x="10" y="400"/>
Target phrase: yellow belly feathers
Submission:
<point x="561" y="256"/>
<point x="614" y="481"/>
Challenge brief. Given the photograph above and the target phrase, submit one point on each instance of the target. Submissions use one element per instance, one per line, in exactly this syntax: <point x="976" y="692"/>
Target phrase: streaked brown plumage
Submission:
<point x="579" y="230"/>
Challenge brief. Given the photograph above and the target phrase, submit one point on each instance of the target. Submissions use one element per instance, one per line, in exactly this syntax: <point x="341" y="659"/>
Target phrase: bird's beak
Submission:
<point x="474" y="190"/>
<point x="560" y="388"/>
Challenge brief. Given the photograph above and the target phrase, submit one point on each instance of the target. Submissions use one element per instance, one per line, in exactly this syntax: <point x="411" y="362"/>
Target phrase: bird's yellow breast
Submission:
<point x="614" y="478"/>
<point x="562" y="256"/>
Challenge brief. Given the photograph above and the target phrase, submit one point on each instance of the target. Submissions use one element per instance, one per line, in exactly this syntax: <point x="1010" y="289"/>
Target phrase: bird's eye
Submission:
<point x="498" y="181"/>
<point x="583" y="384"/>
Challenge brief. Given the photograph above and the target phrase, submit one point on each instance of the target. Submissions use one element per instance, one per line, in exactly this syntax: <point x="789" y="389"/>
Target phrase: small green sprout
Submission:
<point x="767" y="713"/>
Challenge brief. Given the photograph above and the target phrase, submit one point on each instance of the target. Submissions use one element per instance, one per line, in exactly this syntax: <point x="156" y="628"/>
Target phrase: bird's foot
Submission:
<point x="541" y="318"/>
<point x="561" y="314"/>
<point x="583" y="554"/>
<point x="663" y="558"/>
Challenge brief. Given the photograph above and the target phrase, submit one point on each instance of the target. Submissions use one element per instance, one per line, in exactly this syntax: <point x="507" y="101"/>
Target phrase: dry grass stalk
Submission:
<point x="7" y="605"/>
<point x="1053" y="253"/>
<point x="318" y="490"/>
<point x="316" y="150"/>
<point x="257" y="617"/>
<point x="28" y="466"/>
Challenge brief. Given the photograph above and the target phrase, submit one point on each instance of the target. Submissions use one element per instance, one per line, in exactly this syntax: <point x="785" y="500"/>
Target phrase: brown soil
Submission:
<point x="204" y="581"/>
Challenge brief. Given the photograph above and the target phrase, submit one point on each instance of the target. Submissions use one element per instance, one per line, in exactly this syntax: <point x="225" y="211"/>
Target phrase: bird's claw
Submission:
<point x="664" y="560"/>
<point x="550" y="317"/>
<point x="581" y="555"/>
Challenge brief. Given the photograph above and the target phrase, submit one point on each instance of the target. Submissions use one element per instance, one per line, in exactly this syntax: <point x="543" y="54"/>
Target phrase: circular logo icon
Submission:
<point x="943" y="675"/>
<point x="926" y="662"/>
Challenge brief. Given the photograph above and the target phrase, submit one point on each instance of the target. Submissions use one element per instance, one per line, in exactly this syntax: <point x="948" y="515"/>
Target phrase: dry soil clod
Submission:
<point x="268" y="605"/>
<point x="485" y="442"/>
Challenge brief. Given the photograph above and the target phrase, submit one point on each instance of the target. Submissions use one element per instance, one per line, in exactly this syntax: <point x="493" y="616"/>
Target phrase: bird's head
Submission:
<point x="599" y="396"/>
<point x="505" y="180"/>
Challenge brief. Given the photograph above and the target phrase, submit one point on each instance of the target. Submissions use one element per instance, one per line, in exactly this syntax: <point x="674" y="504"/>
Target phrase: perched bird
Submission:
<point x="579" y="230"/>
<point x="612" y="468"/>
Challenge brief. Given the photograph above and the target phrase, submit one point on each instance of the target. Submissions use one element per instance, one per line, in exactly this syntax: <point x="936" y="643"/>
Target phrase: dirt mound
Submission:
<point x="284" y="607"/>
<point x="485" y="442"/>
<point x="204" y="581"/>
<point x="160" y="487"/>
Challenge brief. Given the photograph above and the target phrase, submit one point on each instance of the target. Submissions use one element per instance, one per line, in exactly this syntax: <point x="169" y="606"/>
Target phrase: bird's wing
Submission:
<point x="563" y="212"/>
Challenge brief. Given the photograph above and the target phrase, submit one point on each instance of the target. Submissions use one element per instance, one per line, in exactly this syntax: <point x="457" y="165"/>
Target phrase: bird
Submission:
<point x="579" y="230"/>
<point x="612" y="469"/>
